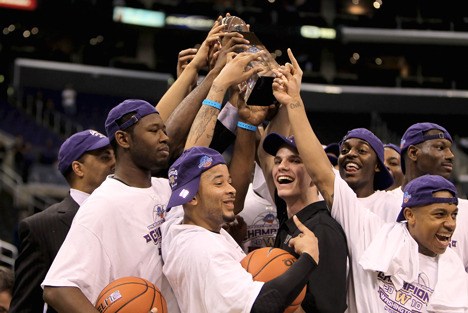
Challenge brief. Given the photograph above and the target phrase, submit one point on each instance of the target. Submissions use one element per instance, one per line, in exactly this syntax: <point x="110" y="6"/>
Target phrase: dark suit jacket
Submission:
<point x="41" y="236"/>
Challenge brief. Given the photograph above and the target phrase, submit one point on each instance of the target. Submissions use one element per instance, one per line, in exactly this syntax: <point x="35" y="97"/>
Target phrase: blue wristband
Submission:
<point x="247" y="126"/>
<point x="212" y="103"/>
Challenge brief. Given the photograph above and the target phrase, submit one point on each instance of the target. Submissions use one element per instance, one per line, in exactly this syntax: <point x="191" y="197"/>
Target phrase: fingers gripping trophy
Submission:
<point x="263" y="78"/>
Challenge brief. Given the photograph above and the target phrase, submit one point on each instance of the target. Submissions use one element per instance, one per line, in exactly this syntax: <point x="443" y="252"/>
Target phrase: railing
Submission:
<point x="54" y="120"/>
<point x="25" y="196"/>
<point x="8" y="253"/>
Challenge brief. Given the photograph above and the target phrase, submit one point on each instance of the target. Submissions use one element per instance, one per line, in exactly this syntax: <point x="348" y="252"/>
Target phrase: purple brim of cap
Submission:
<point x="420" y="191"/>
<point x="77" y="145"/>
<point x="393" y="146"/>
<point x="274" y="141"/>
<point x="103" y="142"/>
<point x="184" y="193"/>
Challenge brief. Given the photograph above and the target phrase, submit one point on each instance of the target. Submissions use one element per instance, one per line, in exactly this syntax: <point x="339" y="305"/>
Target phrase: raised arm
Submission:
<point x="278" y="124"/>
<point x="179" y="123"/>
<point x="286" y="88"/>
<point x="179" y="89"/>
<point x="242" y="162"/>
<point x="232" y="74"/>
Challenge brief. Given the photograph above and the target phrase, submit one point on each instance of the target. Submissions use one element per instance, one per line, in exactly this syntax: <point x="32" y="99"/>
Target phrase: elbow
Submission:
<point x="49" y="294"/>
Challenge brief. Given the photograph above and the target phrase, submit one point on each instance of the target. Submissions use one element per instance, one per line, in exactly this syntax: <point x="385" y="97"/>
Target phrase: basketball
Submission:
<point x="267" y="263"/>
<point x="130" y="295"/>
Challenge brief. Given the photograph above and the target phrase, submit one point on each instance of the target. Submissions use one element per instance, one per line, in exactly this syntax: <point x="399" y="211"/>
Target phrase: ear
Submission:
<point x="409" y="216"/>
<point x="122" y="138"/>
<point x="377" y="168"/>
<point x="412" y="153"/>
<point x="194" y="200"/>
<point x="77" y="168"/>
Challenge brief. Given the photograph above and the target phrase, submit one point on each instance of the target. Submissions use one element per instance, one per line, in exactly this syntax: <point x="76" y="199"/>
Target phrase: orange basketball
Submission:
<point x="130" y="295"/>
<point x="267" y="263"/>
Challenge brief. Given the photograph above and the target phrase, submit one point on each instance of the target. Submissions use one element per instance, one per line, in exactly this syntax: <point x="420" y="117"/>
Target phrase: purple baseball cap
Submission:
<point x="382" y="179"/>
<point x="420" y="192"/>
<point x="184" y="174"/>
<point x="274" y="141"/>
<point x="416" y="134"/>
<point x="140" y="108"/>
<point x="393" y="146"/>
<point x="77" y="145"/>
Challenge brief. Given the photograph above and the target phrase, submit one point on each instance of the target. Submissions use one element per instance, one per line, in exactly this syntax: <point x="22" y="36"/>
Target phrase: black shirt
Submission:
<point x="327" y="286"/>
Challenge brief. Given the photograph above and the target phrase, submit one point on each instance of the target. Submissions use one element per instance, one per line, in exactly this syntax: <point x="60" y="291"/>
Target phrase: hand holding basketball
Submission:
<point x="305" y="242"/>
<point x="131" y="295"/>
<point x="268" y="263"/>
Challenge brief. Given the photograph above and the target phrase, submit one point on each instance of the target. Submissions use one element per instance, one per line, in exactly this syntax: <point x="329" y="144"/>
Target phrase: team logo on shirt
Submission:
<point x="154" y="231"/>
<point x="158" y="212"/>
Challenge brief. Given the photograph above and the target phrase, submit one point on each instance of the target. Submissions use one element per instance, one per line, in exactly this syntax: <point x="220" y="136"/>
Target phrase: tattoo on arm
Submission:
<point x="202" y="121"/>
<point x="295" y="105"/>
<point x="328" y="198"/>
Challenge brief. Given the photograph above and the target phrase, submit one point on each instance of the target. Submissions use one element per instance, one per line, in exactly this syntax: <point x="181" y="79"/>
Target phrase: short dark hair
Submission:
<point x="7" y="279"/>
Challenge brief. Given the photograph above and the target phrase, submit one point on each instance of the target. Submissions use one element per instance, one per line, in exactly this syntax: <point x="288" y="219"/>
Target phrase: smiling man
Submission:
<point x="202" y="261"/>
<point x="287" y="173"/>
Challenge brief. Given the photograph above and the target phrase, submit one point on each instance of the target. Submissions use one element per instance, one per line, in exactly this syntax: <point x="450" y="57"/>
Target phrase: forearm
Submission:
<point x="242" y="165"/>
<point x="278" y="293"/>
<point x="179" y="123"/>
<point x="279" y="124"/>
<point x="176" y="92"/>
<point x="202" y="129"/>
<point x="310" y="149"/>
<point x="68" y="300"/>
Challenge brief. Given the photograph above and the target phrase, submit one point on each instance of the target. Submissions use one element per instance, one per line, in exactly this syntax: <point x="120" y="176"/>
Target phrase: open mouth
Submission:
<point x="351" y="167"/>
<point x="444" y="239"/>
<point x="283" y="179"/>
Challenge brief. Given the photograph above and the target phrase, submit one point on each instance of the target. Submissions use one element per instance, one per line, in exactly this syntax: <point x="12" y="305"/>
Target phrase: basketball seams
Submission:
<point x="160" y="302"/>
<point x="105" y="291"/>
<point x="272" y="262"/>
<point x="135" y="291"/>
<point x="136" y="297"/>
<point x="267" y="263"/>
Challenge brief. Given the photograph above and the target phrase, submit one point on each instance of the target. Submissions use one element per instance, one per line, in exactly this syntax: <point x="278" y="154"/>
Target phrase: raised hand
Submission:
<point x="305" y="241"/>
<point x="251" y="114"/>
<point x="233" y="42"/>
<point x="236" y="70"/>
<point x="287" y="84"/>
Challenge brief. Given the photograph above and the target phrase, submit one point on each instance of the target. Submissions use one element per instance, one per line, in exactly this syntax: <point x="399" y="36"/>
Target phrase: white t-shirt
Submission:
<point x="460" y="236"/>
<point x="115" y="233"/>
<point x="262" y="225"/>
<point x="204" y="270"/>
<point x="383" y="204"/>
<point x="373" y="290"/>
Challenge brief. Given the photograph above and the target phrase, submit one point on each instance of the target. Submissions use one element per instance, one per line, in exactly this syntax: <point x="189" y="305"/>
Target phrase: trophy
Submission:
<point x="258" y="85"/>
